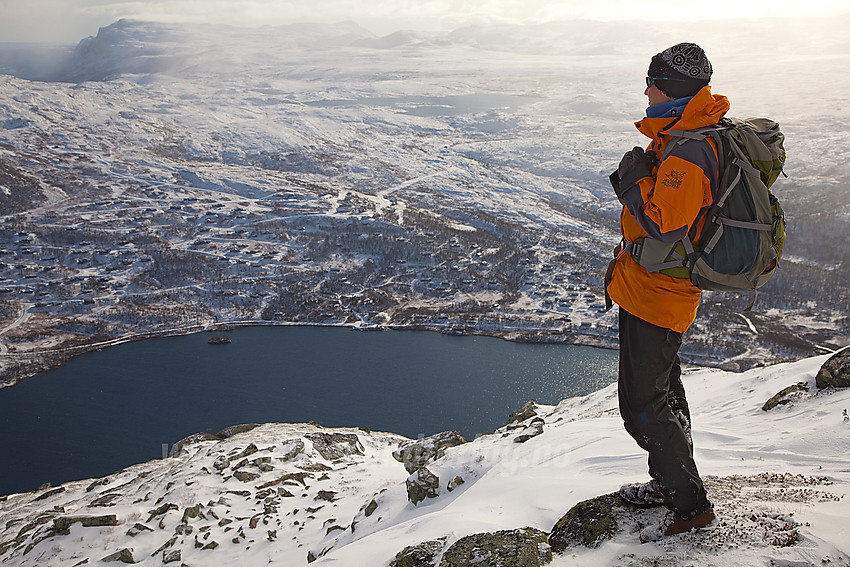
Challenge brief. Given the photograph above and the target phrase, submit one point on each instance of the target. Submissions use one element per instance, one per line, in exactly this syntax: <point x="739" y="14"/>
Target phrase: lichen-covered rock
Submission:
<point x="180" y="447"/>
<point x="333" y="446"/>
<point x="523" y="547"/>
<point x="785" y="396"/>
<point x="421" y="485"/>
<point x="420" y="555"/>
<point x="835" y="372"/>
<point x="417" y="453"/>
<point x="527" y="411"/>
<point x="588" y="523"/>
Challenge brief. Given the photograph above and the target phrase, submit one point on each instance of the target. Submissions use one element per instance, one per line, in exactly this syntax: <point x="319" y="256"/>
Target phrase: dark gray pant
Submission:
<point x="655" y="411"/>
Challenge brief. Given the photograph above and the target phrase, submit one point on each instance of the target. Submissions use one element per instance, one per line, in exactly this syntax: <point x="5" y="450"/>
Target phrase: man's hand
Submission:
<point x="635" y="165"/>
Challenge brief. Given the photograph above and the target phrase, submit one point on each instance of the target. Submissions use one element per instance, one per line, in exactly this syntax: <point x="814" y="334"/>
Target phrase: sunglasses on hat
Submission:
<point x="651" y="80"/>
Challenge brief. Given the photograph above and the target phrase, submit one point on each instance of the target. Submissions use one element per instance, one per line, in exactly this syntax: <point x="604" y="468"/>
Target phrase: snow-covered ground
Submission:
<point x="778" y="479"/>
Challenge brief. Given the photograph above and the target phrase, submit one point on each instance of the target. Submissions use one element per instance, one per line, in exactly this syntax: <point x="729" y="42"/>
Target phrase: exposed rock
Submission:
<point x="421" y="485"/>
<point x="137" y="529"/>
<point x="180" y="447"/>
<point x="171" y="556"/>
<point x="314" y="467"/>
<point x="291" y="448"/>
<point x="835" y="372"/>
<point x="370" y="508"/>
<point x="161" y="510"/>
<point x="246" y="476"/>
<point x="333" y="446"/>
<point x="221" y="463"/>
<point x="191" y="512"/>
<point x="534" y="429"/>
<point x="588" y="523"/>
<point x="229" y="432"/>
<point x="248" y="451"/>
<point x="95" y="484"/>
<point x="124" y="556"/>
<point x="420" y="452"/>
<point x="62" y="525"/>
<point x="421" y="555"/>
<point x="528" y="410"/>
<point x="785" y="396"/>
<point x="454" y="483"/>
<point x="49" y="493"/>
<point x="105" y="500"/>
<point x="328" y="495"/>
<point x="524" y="547"/>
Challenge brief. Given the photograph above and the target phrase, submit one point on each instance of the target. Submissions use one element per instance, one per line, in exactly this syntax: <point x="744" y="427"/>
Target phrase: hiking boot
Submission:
<point x="642" y="494"/>
<point x="673" y="525"/>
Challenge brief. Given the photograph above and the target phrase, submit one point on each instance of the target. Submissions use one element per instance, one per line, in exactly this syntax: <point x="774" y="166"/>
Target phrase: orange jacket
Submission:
<point x="666" y="206"/>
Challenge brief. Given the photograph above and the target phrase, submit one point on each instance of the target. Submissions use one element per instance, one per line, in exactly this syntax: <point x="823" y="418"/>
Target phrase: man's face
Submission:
<point x="655" y="96"/>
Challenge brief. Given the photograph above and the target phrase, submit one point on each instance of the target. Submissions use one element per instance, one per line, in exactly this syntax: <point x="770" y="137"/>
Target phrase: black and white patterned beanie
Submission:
<point x="687" y="67"/>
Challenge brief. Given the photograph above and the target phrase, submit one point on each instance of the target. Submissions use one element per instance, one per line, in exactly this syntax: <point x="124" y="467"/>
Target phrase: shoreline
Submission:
<point x="31" y="364"/>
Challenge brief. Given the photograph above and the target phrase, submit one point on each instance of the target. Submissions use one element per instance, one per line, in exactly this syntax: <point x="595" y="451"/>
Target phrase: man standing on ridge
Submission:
<point x="663" y="200"/>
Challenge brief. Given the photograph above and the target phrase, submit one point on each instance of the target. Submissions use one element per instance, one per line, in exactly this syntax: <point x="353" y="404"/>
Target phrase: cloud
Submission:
<point x="70" y="20"/>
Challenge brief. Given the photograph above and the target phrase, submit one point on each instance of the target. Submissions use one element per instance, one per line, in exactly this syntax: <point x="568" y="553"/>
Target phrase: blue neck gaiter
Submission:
<point x="668" y="109"/>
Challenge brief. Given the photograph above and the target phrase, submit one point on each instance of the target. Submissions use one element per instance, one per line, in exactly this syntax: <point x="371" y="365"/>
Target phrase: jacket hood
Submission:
<point x="704" y="109"/>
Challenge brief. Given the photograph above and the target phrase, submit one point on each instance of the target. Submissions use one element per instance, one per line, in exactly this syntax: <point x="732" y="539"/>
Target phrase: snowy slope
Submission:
<point x="778" y="480"/>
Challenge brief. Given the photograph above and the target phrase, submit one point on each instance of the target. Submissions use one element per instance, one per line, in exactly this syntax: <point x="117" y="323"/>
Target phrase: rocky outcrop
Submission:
<point x="420" y="452"/>
<point x="835" y="372"/>
<point x="524" y="547"/>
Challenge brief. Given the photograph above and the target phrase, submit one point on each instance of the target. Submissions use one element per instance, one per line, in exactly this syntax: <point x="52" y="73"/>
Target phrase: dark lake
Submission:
<point x="106" y="410"/>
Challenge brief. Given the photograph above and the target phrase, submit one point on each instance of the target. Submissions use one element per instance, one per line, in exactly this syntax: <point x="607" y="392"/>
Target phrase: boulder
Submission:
<point x="421" y="485"/>
<point x="835" y="372"/>
<point x="420" y="555"/>
<point x="523" y="547"/>
<point x="420" y="452"/>
<point x="333" y="446"/>
<point x="785" y="396"/>
<point x="588" y="523"/>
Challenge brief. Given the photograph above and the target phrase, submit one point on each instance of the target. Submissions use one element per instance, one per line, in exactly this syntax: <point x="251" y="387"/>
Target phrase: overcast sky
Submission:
<point x="68" y="21"/>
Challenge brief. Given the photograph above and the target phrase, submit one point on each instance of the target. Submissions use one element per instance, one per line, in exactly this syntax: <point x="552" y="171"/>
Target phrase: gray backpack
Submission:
<point x="744" y="230"/>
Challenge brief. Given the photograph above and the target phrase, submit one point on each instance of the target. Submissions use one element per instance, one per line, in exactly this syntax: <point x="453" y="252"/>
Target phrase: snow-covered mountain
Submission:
<point x="287" y="494"/>
<point x="189" y="177"/>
